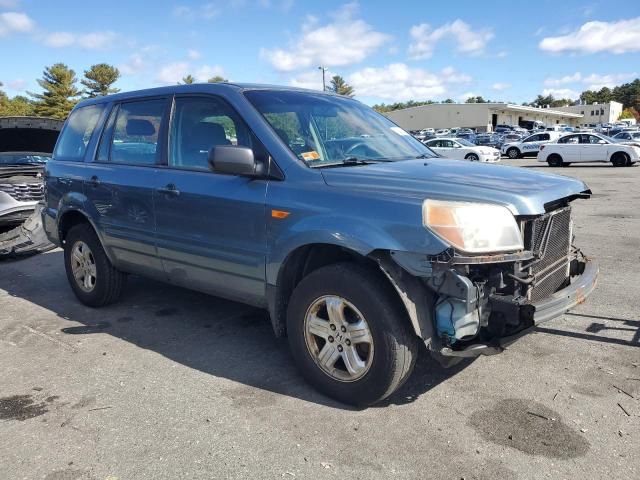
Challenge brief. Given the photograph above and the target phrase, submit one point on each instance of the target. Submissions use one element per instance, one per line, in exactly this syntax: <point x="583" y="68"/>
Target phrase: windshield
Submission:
<point x="464" y="142"/>
<point x="326" y="130"/>
<point x="18" y="158"/>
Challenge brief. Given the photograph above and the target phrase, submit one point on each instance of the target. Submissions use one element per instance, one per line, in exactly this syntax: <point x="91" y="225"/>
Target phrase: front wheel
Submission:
<point x="513" y="153"/>
<point x="472" y="157"/>
<point x="349" y="335"/>
<point x="621" y="159"/>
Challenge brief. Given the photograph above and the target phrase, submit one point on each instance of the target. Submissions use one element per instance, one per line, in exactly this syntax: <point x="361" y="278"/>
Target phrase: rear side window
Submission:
<point x="77" y="133"/>
<point x="136" y="132"/>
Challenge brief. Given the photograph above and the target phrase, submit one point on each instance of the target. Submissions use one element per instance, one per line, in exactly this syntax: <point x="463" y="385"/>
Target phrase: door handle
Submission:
<point x="170" y="190"/>
<point x="94" y="181"/>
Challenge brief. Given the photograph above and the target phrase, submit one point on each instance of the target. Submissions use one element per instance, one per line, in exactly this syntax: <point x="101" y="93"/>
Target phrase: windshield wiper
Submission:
<point x="359" y="161"/>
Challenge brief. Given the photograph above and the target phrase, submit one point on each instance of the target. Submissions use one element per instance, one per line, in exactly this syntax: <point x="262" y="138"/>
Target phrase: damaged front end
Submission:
<point x="479" y="304"/>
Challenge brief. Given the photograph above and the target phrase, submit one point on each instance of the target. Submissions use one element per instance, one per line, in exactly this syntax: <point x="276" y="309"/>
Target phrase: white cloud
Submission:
<point x="17" y="85"/>
<point x="89" y="41"/>
<point x="193" y="54"/>
<point x="174" y="72"/>
<point x="592" y="82"/>
<point x="616" y="37"/>
<point x="398" y="81"/>
<point x="596" y="82"/>
<point x="15" y="22"/>
<point x="556" y="82"/>
<point x="425" y="39"/>
<point x="134" y="65"/>
<point x="499" y="86"/>
<point x="206" y="11"/>
<point x="344" y="41"/>
<point x="561" y="93"/>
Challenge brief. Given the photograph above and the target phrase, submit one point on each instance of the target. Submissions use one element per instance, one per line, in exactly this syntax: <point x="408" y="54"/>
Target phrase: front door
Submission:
<point x="210" y="228"/>
<point x="120" y="183"/>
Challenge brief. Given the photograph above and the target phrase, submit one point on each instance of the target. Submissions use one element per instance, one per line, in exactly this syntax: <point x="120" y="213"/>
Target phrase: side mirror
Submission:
<point x="234" y="160"/>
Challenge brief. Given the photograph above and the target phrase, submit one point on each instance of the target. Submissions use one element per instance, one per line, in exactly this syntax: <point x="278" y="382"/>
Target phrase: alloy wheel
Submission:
<point x="338" y="338"/>
<point x="83" y="266"/>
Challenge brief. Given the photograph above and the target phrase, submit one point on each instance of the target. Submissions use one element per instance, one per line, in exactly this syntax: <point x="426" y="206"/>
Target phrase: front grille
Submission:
<point x="549" y="238"/>
<point x="24" y="192"/>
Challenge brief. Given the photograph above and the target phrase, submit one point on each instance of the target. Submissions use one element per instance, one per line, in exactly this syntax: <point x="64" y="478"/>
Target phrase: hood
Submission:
<point x="523" y="191"/>
<point x="29" y="134"/>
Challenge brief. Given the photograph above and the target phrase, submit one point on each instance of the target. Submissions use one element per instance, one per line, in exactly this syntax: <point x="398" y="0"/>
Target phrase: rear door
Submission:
<point x="120" y="182"/>
<point x="210" y="227"/>
<point x="591" y="150"/>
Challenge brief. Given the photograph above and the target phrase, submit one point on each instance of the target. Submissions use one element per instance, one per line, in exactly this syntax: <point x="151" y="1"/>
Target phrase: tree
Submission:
<point x="340" y="86"/>
<point x="217" y="79"/>
<point x="17" y="106"/>
<point x="477" y="99"/>
<point x="59" y="94"/>
<point x="629" y="112"/>
<point x="188" y="80"/>
<point x="99" y="79"/>
<point x="448" y="100"/>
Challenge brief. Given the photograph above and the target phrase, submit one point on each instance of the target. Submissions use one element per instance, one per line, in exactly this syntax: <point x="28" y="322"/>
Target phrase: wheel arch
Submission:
<point x="415" y="298"/>
<point x="72" y="217"/>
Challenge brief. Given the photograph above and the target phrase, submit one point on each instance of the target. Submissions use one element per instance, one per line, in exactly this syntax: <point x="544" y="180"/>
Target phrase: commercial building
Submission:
<point x="481" y="116"/>
<point x="596" y="113"/>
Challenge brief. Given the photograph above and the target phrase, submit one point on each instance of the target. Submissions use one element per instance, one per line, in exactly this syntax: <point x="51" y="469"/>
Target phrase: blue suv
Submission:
<point x="359" y="240"/>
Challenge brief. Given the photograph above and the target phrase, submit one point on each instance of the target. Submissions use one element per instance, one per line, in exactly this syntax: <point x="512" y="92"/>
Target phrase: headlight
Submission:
<point x="473" y="227"/>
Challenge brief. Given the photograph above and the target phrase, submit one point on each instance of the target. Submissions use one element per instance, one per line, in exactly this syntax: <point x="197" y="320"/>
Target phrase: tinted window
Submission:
<point x="544" y="137"/>
<point x="201" y="123"/>
<point x="77" y="132"/>
<point x="136" y="132"/>
<point x="590" y="139"/>
<point x="532" y="138"/>
<point x="107" y="133"/>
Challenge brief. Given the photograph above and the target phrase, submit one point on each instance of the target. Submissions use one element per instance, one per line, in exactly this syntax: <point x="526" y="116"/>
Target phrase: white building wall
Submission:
<point x="473" y="115"/>
<point x="443" y="115"/>
<point x="596" y="112"/>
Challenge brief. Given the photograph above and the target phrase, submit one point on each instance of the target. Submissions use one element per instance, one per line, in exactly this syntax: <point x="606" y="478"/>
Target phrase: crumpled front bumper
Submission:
<point x="539" y="312"/>
<point x="570" y="296"/>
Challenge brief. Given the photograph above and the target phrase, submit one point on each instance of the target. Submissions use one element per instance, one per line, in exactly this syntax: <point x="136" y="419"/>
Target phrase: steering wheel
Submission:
<point x="353" y="147"/>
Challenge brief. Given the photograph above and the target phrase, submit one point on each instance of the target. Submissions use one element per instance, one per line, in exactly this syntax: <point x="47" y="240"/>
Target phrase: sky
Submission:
<point x="388" y="51"/>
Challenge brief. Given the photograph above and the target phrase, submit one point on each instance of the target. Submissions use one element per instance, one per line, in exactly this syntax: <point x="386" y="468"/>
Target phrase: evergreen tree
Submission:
<point x="59" y="94"/>
<point x="340" y="86"/>
<point x="99" y="79"/>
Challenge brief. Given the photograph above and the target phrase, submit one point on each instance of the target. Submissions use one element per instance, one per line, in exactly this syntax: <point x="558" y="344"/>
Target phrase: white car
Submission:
<point x="589" y="147"/>
<point x="443" y="132"/>
<point x="528" y="146"/>
<point x="461" y="149"/>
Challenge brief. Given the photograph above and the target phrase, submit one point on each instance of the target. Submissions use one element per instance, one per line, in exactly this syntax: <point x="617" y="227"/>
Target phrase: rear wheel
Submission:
<point x="92" y="277"/>
<point x="621" y="159"/>
<point x="513" y="153"/>
<point x="349" y="335"/>
<point x="472" y="157"/>
<point x="555" y="160"/>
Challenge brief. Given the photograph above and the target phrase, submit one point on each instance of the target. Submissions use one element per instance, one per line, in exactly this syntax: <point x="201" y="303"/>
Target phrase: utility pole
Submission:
<point x="324" y="86"/>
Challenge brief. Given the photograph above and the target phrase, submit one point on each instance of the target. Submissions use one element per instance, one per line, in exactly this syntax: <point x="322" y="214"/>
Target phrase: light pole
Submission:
<point x="324" y="86"/>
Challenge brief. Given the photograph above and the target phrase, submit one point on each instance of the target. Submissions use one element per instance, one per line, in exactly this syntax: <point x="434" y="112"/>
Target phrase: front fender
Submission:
<point x="347" y="232"/>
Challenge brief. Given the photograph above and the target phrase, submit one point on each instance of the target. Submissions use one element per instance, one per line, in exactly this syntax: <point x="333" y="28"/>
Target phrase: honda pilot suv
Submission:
<point x="359" y="241"/>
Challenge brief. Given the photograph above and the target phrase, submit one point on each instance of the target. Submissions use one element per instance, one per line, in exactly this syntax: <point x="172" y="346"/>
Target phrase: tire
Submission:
<point x="620" y="159"/>
<point x="472" y="157"/>
<point x="555" y="160"/>
<point x="360" y="293"/>
<point x="107" y="282"/>
<point x="513" y="153"/>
